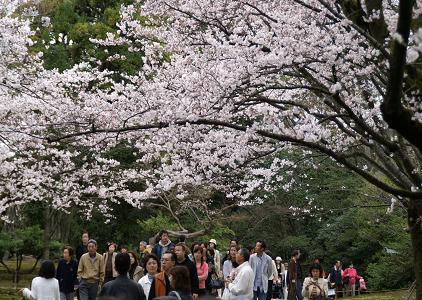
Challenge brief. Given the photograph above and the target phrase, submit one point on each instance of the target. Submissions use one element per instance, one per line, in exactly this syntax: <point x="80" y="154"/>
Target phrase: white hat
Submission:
<point x="278" y="258"/>
<point x="213" y="241"/>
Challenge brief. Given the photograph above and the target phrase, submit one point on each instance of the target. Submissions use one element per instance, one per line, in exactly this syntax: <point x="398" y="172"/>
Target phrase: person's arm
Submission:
<point x="152" y="290"/>
<point x="239" y="287"/>
<point x="305" y="288"/>
<point x="59" y="271"/>
<point x="102" y="271"/>
<point x="325" y="289"/>
<point x="226" y="269"/>
<point x="204" y="275"/>
<point x="345" y="273"/>
<point x="80" y="269"/>
<point x="274" y="269"/>
<point x="57" y="291"/>
<point x="270" y="267"/>
<point x="195" y="280"/>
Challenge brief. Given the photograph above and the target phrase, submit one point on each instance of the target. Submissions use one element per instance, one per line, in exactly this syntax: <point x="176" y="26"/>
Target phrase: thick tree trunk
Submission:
<point x="415" y="227"/>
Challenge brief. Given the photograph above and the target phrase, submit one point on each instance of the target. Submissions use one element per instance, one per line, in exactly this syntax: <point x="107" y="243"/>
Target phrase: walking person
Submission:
<point x="336" y="279"/>
<point x="135" y="271"/>
<point x="273" y="279"/>
<point x="230" y="263"/>
<point x="152" y="267"/>
<point x="350" y="276"/>
<point x="182" y="260"/>
<point x="201" y="270"/>
<point x="217" y="257"/>
<point x="262" y="266"/>
<point x="241" y="288"/>
<point x="180" y="283"/>
<point x="109" y="259"/>
<point x="160" y="285"/>
<point x="281" y="277"/>
<point x="294" y="277"/>
<point x="82" y="248"/>
<point x="314" y="286"/>
<point x="163" y="245"/>
<point x="123" y="287"/>
<point x="44" y="286"/>
<point x="142" y="252"/>
<point x="90" y="272"/>
<point x="66" y="274"/>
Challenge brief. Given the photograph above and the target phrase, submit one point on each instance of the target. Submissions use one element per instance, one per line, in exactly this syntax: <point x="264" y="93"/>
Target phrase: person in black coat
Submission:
<point x="336" y="279"/>
<point x="183" y="260"/>
<point x="82" y="248"/>
<point x="123" y="288"/>
<point x="66" y="274"/>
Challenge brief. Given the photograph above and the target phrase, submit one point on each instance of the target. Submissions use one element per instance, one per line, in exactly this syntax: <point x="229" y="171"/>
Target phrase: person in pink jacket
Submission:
<point x="201" y="269"/>
<point x="353" y="277"/>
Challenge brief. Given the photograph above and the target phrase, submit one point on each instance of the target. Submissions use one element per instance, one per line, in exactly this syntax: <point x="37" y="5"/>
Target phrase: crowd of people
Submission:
<point x="175" y="271"/>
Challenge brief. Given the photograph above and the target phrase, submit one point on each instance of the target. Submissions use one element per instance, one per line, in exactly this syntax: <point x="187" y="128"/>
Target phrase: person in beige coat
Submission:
<point x="314" y="286"/>
<point x="109" y="259"/>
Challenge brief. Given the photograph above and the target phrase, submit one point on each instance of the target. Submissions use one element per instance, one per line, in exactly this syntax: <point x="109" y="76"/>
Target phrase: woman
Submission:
<point x="180" y="283"/>
<point x="45" y="286"/>
<point x="67" y="270"/>
<point x="314" y="286"/>
<point x="152" y="266"/>
<point x="350" y="276"/>
<point x="230" y="263"/>
<point x="108" y="258"/>
<point x="135" y="271"/>
<point x="201" y="269"/>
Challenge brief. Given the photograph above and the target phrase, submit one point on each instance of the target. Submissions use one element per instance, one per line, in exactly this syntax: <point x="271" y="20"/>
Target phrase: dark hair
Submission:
<point x="173" y="255"/>
<point x="316" y="267"/>
<point x="295" y="252"/>
<point x="182" y="238"/>
<point x="250" y="248"/>
<point x="160" y="234"/>
<point x="85" y="232"/>
<point x="47" y="270"/>
<point x="145" y="260"/>
<point x="122" y="263"/>
<point x="180" y="279"/>
<point x="111" y="243"/>
<point x="134" y="265"/>
<point x="69" y="249"/>
<point x="245" y="253"/>
<point x="235" y="240"/>
<point x="192" y="247"/>
<point x="200" y="250"/>
<point x="263" y="245"/>
<point x="124" y="247"/>
<point x="211" y="251"/>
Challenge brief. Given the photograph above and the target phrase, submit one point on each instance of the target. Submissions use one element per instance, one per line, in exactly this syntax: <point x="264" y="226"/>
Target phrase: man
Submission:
<point x="242" y="286"/>
<point x="336" y="279"/>
<point x="183" y="260"/>
<point x="160" y="285"/>
<point x="82" y="248"/>
<point x="142" y="251"/>
<point x="262" y="266"/>
<point x="90" y="272"/>
<point x="294" y="277"/>
<point x="123" y="288"/>
<point x="163" y="245"/>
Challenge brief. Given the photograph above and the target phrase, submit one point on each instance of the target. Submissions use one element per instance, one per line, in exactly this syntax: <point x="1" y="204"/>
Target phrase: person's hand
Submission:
<point x="20" y="292"/>
<point x="194" y="296"/>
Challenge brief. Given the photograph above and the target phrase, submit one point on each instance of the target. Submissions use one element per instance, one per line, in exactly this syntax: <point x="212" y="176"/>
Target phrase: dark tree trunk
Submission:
<point x="415" y="227"/>
<point x="47" y="232"/>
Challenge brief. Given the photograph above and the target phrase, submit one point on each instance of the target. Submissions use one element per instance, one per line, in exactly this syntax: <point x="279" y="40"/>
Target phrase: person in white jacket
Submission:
<point x="314" y="286"/>
<point x="241" y="288"/>
<point x="262" y="265"/>
<point x="45" y="286"/>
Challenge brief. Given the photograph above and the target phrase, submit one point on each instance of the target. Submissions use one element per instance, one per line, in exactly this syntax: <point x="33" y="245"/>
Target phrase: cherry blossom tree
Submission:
<point x="225" y="89"/>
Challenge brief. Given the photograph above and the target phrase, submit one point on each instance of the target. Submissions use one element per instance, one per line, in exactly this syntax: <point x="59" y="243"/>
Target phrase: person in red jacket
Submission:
<point x="350" y="277"/>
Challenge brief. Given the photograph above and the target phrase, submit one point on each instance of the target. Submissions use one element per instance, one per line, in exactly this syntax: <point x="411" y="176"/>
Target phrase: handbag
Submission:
<point x="216" y="283"/>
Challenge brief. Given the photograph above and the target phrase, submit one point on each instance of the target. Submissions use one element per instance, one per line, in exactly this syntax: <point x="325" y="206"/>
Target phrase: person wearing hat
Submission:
<point x="90" y="272"/>
<point x="281" y="270"/>
<point x="212" y="244"/>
